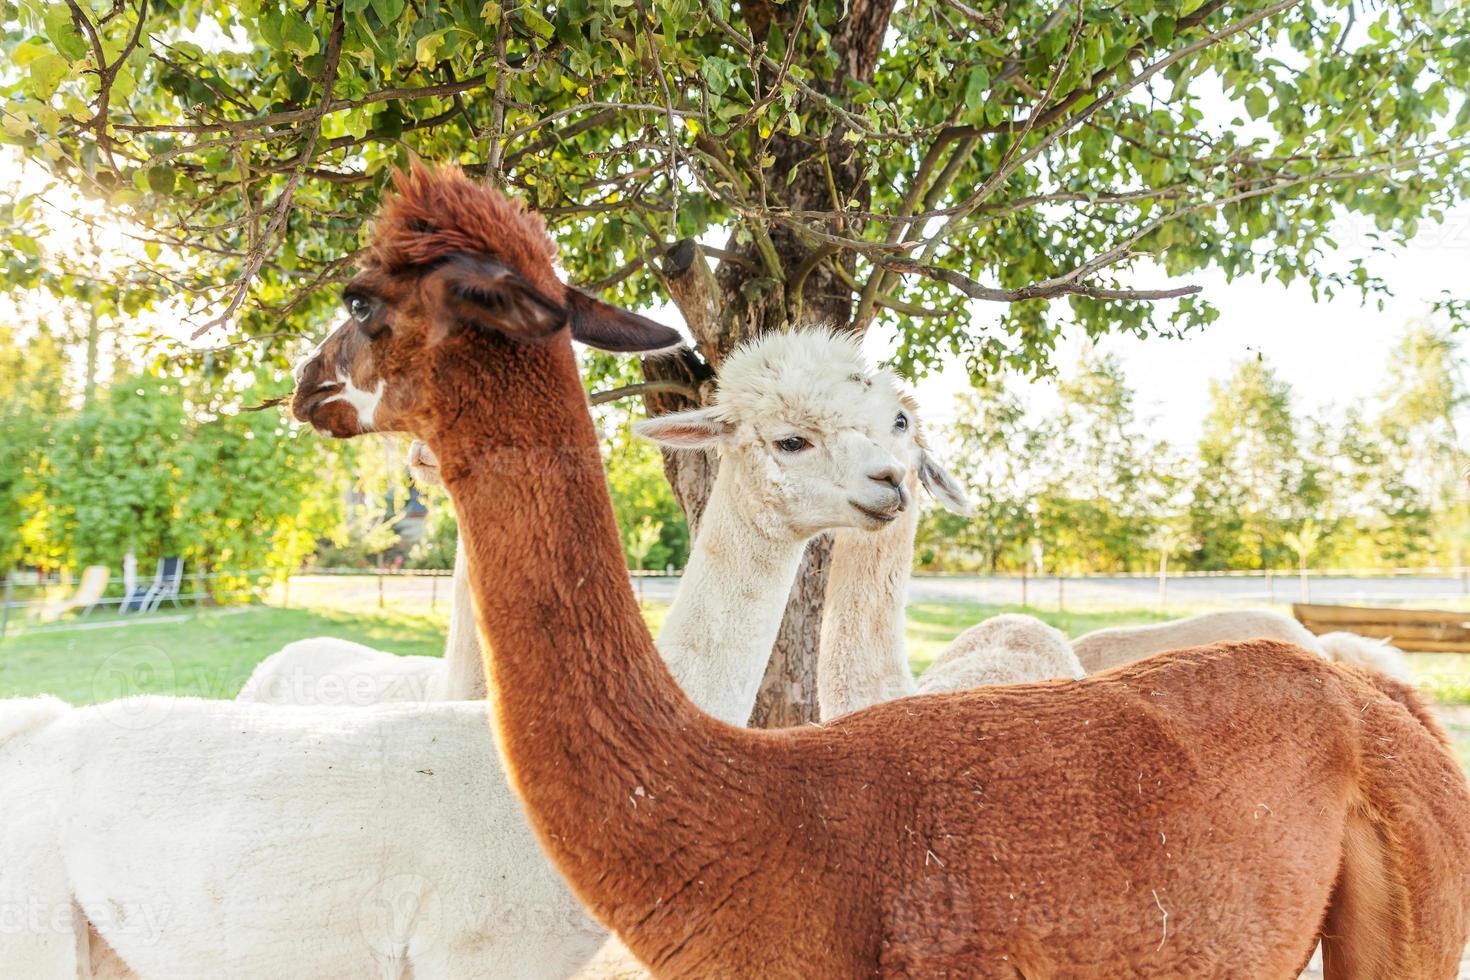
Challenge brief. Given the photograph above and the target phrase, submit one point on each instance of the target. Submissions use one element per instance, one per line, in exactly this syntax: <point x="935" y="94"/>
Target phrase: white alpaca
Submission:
<point x="863" y="655"/>
<point x="1006" y="649"/>
<point x="37" y="917"/>
<point x="328" y="670"/>
<point x="1107" y="648"/>
<point x="207" y="838"/>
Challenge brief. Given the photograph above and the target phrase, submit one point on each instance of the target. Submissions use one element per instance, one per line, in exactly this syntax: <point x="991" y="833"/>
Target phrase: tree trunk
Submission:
<point x="779" y="282"/>
<point x="89" y="384"/>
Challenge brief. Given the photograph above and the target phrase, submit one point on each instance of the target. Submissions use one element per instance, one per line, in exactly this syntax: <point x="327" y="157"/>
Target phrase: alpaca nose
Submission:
<point x="890" y="476"/>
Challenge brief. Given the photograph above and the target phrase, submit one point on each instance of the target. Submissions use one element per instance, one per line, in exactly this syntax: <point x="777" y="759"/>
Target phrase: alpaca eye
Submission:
<point x="792" y="444"/>
<point x="901" y="423"/>
<point x="359" y="307"/>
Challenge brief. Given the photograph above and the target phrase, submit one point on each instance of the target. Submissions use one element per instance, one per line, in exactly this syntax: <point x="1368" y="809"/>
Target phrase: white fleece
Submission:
<point x="1008" y="649"/>
<point x="1107" y="648"/>
<point x="278" y="842"/>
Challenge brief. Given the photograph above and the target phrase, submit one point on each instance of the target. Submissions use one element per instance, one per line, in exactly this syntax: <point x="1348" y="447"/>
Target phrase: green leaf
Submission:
<point x="26" y="52"/>
<point x="1163" y="30"/>
<point x="161" y="180"/>
<point x="123" y="83"/>
<point x="389" y="122"/>
<point x="426" y="50"/>
<point x="537" y="23"/>
<point x="1256" y="103"/>
<point x="975" y="88"/>
<point x="64" y="34"/>
<point x="387" y="10"/>
<point x="297" y="35"/>
<point x="46" y="73"/>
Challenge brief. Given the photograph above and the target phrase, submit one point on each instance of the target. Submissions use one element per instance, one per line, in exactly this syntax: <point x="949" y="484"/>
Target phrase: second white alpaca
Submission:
<point x="863" y="655"/>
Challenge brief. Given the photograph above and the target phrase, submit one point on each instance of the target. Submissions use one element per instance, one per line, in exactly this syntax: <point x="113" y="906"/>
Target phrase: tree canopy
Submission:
<point x="836" y="158"/>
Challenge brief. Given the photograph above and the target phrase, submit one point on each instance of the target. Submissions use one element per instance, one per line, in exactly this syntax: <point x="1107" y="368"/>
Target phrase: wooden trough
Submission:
<point x="1417" y="630"/>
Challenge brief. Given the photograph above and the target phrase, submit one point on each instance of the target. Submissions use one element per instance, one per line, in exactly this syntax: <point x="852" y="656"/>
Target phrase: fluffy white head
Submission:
<point x="814" y="437"/>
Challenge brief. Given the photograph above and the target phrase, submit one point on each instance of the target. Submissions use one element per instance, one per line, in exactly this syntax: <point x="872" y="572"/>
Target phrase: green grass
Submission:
<point x="1443" y="676"/>
<point x="209" y="654"/>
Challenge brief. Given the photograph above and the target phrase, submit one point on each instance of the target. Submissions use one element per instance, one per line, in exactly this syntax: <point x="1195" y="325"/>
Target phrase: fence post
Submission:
<point x="1024" y="603"/>
<point x="433" y="593"/>
<point x="380" y="589"/>
<point x="1061" y="594"/>
<point x="5" y="610"/>
<point x="1270" y="588"/>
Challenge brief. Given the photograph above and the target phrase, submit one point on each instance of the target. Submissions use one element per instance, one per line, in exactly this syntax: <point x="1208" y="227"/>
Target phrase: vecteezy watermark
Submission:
<point x="357" y="690"/>
<point x="406" y="915"/>
<point x="142" y="923"/>
<point x="399" y="912"/>
<point x="128" y="673"/>
<point x="1361" y="231"/>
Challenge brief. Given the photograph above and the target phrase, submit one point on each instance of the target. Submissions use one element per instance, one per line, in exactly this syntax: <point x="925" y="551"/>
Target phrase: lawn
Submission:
<point x="207" y="654"/>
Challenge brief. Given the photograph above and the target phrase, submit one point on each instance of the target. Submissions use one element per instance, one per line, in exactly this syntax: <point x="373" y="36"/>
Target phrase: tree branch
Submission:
<point x="315" y="112"/>
<point x="642" y="387"/>
<point x="1046" y="290"/>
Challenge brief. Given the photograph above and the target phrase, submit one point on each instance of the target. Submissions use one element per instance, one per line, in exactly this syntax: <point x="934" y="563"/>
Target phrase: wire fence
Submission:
<point x="36" y="603"/>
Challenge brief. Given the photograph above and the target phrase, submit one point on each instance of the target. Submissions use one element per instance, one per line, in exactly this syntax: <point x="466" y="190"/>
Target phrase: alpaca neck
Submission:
<point x="720" y="630"/>
<point x="587" y="716"/>
<point x="863" y="657"/>
<point x="464" y="667"/>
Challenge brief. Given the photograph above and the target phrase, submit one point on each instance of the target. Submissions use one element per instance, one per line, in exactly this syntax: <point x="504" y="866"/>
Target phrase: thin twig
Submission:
<point x="671" y="387"/>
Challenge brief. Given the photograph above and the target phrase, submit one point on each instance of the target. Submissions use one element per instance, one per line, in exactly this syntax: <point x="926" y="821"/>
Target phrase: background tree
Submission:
<point x="831" y="159"/>
<point x="32" y="398"/>
<point x="112" y="476"/>
<point x="1250" y="475"/>
<point x="998" y="454"/>
<point x="1106" y="481"/>
<point x="1423" y="393"/>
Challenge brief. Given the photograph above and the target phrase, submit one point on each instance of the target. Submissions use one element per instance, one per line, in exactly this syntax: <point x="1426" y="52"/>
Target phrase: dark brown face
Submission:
<point x="359" y="379"/>
<point x="371" y="374"/>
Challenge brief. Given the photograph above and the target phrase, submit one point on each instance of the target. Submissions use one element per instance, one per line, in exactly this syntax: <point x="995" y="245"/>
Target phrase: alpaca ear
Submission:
<point x="697" y="428"/>
<point x="605" y="327"/>
<point x="945" y="488"/>
<point x="493" y="296"/>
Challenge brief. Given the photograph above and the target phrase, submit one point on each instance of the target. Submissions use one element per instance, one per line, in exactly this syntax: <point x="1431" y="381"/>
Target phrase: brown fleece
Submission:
<point x="438" y="213"/>
<point x="1202" y="813"/>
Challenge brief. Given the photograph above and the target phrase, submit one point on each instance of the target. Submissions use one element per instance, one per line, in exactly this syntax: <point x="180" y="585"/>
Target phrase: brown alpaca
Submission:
<point x="1205" y="813"/>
